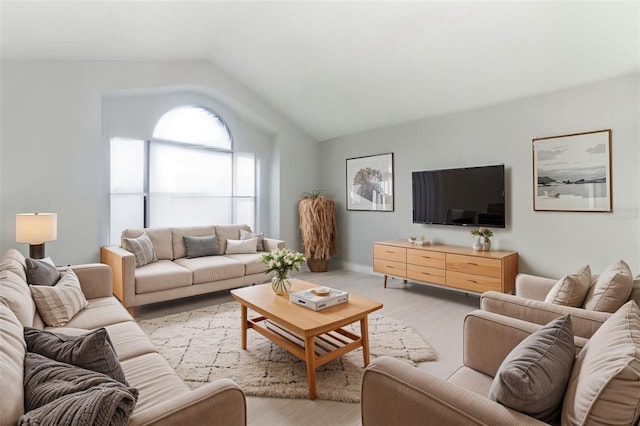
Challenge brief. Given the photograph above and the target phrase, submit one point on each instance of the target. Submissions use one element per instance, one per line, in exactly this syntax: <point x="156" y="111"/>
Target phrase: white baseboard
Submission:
<point x="356" y="267"/>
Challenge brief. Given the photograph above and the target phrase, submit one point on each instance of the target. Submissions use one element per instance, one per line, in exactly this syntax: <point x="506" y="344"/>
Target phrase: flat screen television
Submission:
<point x="471" y="196"/>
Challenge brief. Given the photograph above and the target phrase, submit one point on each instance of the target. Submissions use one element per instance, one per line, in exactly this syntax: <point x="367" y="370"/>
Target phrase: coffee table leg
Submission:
<point x="364" y="335"/>
<point x="309" y="351"/>
<point x="243" y="311"/>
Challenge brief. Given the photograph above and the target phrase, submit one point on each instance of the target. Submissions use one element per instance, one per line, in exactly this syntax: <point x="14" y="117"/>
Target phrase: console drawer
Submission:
<point x="433" y="259"/>
<point x="474" y="283"/>
<point x="427" y="274"/>
<point x="389" y="267"/>
<point x="475" y="265"/>
<point x="397" y="254"/>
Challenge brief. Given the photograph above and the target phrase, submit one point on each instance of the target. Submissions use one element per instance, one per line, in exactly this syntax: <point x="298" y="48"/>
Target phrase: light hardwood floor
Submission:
<point x="435" y="313"/>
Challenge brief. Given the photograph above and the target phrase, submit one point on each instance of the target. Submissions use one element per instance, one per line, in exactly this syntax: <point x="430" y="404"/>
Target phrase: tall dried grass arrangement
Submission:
<point x="318" y="227"/>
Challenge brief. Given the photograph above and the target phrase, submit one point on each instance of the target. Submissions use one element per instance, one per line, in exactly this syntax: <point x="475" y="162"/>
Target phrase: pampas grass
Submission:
<point x="318" y="227"/>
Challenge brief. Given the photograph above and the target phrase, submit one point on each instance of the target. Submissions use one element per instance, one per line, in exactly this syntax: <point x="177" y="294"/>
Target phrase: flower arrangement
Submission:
<point x="282" y="261"/>
<point x="482" y="232"/>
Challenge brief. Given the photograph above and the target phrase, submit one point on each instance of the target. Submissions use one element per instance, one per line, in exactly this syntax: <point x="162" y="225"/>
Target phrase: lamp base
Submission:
<point x="36" y="251"/>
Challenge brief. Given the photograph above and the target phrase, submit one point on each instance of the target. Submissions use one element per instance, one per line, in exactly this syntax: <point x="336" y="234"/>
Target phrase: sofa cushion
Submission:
<point x="58" y="304"/>
<point x="252" y="263"/>
<point x="100" y="312"/>
<point x="93" y="350"/>
<point x="41" y="272"/>
<point x="160" y="237"/>
<point x="212" y="268"/>
<point x="605" y="381"/>
<point x="242" y="246"/>
<point x="17" y="296"/>
<point x="162" y="275"/>
<point x="12" y="353"/>
<point x="533" y="377"/>
<point x="63" y="394"/>
<point x="245" y="235"/>
<point x="15" y="262"/>
<point x="571" y="289"/>
<point x="611" y="289"/>
<point x="226" y="232"/>
<point x="635" y="290"/>
<point x="201" y="246"/>
<point x="178" y="234"/>
<point x="142" y="249"/>
<point x="129" y="340"/>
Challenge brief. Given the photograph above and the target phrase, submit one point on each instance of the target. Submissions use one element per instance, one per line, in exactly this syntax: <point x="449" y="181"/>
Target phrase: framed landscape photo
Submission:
<point x="370" y="183"/>
<point x="572" y="172"/>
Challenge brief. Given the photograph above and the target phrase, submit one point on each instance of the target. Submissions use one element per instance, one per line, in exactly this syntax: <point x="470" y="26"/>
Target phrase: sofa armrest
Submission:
<point x="219" y="403"/>
<point x="585" y="323"/>
<point x="123" y="265"/>
<point x="532" y="287"/>
<point x="95" y="279"/>
<point x="271" y="244"/>
<point x="396" y="393"/>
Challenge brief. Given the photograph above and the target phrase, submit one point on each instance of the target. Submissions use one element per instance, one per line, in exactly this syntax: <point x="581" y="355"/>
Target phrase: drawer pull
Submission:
<point x="473" y="264"/>
<point x="473" y="281"/>
<point x="426" y="273"/>
<point x="389" y="251"/>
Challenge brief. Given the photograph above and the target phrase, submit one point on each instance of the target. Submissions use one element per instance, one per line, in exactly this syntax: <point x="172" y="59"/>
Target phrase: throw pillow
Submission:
<point x="611" y="289"/>
<point x="533" y="377"/>
<point x="242" y="246"/>
<point x="201" y="246"/>
<point x="245" y="235"/>
<point x="142" y="249"/>
<point x="605" y="381"/>
<point x="40" y="272"/>
<point x="93" y="350"/>
<point x="59" y="393"/>
<point x="571" y="290"/>
<point x="15" y="291"/>
<point x="58" y="304"/>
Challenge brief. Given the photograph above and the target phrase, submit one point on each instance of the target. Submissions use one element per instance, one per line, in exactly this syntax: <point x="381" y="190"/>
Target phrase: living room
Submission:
<point x="81" y="100"/>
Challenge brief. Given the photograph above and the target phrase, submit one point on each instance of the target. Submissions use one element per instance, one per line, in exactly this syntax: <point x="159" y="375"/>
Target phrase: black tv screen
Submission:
<point x="471" y="196"/>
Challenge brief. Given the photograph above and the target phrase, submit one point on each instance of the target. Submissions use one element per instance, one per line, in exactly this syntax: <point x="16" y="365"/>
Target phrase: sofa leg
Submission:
<point x="132" y="311"/>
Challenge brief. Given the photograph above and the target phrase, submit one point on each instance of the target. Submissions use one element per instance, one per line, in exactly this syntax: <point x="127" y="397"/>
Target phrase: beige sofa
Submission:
<point x="174" y="275"/>
<point x="604" y="383"/>
<point x="163" y="398"/>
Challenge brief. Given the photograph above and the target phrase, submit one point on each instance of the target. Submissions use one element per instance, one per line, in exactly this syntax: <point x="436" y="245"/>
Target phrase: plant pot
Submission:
<point x="318" y="265"/>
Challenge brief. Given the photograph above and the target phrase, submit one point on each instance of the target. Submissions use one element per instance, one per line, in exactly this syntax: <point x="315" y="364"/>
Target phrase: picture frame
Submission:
<point x="369" y="185"/>
<point x="572" y="173"/>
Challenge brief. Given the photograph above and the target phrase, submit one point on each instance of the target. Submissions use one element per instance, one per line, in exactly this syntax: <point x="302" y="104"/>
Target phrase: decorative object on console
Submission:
<point x="282" y="261"/>
<point x="36" y="229"/>
<point x="572" y="172"/>
<point x="483" y="241"/>
<point x="318" y="229"/>
<point x="370" y="183"/>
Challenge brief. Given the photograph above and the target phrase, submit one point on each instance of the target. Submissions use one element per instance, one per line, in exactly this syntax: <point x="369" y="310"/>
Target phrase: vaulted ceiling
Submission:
<point x="339" y="67"/>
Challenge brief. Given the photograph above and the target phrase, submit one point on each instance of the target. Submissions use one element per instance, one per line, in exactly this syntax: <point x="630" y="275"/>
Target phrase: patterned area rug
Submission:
<point x="204" y="345"/>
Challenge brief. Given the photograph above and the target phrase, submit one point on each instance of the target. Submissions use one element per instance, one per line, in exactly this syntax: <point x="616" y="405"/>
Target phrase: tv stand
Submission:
<point x="449" y="266"/>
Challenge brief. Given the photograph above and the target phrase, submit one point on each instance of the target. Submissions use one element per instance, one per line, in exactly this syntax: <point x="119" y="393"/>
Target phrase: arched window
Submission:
<point x="186" y="174"/>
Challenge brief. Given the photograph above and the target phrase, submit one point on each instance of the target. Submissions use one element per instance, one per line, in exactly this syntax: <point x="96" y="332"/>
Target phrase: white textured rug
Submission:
<point x="204" y="345"/>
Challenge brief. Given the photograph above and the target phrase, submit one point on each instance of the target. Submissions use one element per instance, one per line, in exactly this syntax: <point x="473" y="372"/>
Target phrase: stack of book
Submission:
<point x="319" y="298"/>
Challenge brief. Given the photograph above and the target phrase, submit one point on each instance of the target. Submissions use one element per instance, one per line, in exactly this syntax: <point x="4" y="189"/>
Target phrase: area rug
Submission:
<point x="204" y="345"/>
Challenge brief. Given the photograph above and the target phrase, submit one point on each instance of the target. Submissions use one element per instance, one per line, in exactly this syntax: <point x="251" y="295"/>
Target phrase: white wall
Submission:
<point x="52" y="156"/>
<point x="549" y="243"/>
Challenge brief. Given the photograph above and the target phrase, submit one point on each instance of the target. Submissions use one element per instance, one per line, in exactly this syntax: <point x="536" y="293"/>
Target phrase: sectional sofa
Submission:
<point x="175" y="274"/>
<point x="162" y="397"/>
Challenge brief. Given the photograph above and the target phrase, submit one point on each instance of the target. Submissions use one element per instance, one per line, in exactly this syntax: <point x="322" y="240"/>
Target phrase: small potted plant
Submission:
<point x="483" y="241"/>
<point x="318" y="229"/>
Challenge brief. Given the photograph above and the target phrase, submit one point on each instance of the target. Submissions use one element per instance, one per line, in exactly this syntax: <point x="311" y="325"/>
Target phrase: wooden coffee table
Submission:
<point x="314" y="337"/>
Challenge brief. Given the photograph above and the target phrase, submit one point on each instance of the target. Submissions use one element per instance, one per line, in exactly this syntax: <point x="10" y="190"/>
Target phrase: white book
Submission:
<point x="312" y="301"/>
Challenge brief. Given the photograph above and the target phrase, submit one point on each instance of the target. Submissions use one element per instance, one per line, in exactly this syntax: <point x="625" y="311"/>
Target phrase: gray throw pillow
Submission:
<point x="246" y="235"/>
<point x="93" y="350"/>
<point x="142" y="249"/>
<point x="40" y="272"/>
<point x="201" y="246"/>
<point x="532" y="379"/>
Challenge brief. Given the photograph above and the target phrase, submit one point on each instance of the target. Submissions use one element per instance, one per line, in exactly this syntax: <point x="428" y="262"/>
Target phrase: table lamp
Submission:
<point x="36" y="229"/>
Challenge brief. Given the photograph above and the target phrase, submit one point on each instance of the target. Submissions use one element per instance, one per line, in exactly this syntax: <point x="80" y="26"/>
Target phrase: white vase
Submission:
<point x="478" y="244"/>
<point x="486" y="245"/>
<point x="281" y="283"/>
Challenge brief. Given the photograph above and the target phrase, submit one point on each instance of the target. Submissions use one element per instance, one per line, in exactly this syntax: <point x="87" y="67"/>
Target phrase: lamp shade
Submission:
<point x="36" y="228"/>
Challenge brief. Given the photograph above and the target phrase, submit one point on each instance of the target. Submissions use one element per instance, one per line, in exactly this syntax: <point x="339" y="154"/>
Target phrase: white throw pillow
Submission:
<point x="59" y="303"/>
<point x="571" y="289"/>
<point x="242" y="246"/>
<point x="245" y="235"/>
<point x="611" y="290"/>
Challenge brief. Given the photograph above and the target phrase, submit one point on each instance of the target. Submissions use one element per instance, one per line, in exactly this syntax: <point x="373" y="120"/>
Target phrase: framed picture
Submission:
<point x="572" y="172"/>
<point x="370" y="183"/>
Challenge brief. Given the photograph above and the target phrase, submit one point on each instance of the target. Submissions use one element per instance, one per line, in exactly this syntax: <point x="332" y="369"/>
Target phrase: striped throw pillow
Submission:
<point x="59" y="303"/>
<point x="142" y="249"/>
